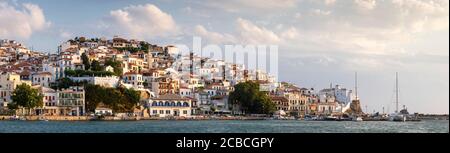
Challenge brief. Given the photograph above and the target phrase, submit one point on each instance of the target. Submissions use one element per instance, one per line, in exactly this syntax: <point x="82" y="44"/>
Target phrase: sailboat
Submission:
<point x="356" y="118"/>
<point x="397" y="116"/>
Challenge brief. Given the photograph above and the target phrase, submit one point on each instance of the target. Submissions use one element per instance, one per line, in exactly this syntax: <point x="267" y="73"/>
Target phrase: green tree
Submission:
<point x="145" y="46"/>
<point x="116" y="66"/>
<point x="132" y="96"/>
<point x="27" y="97"/>
<point x="85" y="60"/>
<point x="95" y="66"/>
<point x="63" y="83"/>
<point x="70" y="72"/>
<point x="118" y="99"/>
<point x="251" y="99"/>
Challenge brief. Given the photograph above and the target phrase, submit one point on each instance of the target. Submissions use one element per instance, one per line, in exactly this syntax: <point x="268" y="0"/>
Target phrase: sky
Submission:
<point x="321" y="42"/>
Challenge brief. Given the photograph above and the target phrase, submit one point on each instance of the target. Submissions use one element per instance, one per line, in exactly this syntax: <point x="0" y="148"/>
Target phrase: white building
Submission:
<point x="170" y="105"/>
<point x="134" y="79"/>
<point x="54" y="69"/>
<point x="109" y="68"/>
<point x="107" y="81"/>
<point x="50" y="100"/>
<point x="103" y="111"/>
<point x="71" y="101"/>
<point x="342" y="95"/>
<point x="42" y="78"/>
<point x="8" y="82"/>
<point x="186" y="92"/>
<point x="172" y="50"/>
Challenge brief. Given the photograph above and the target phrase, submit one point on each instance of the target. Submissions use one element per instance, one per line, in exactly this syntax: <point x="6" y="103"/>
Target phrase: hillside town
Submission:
<point x="167" y="84"/>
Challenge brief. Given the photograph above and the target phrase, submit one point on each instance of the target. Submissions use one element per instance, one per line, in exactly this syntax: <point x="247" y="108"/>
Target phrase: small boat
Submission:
<point x="357" y="119"/>
<point x="42" y="119"/>
<point x="331" y="118"/>
<point x="310" y="118"/>
<point x="397" y="117"/>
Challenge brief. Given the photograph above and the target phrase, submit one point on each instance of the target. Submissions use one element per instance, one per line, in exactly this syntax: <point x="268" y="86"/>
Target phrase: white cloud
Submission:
<point x="21" y="21"/>
<point x="141" y="21"/>
<point x="330" y="2"/>
<point x="423" y="15"/>
<point x="320" y="12"/>
<point x="298" y="15"/>
<point x="251" y="5"/>
<point x="366" y="4"/>
<point x="290" y="33"/>
<point x="383" y="30"/>
<point x="65" y="34"/>
<point x="252" y="34"/>
<point x="214" y="37"/>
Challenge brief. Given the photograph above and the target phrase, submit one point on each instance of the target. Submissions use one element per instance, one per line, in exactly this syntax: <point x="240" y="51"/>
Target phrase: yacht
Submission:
<point x="397" y="116"/>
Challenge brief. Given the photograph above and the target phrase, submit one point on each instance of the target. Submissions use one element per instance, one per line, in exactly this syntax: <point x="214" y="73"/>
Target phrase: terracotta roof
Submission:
<point x="26" y="72"/>
<point x="278" y="98"/>
<point x="43" y="73"/>
<point x="217" y="97"/>
<point x="170" y="97"/>
<point x="22" y="64"/>
<point x="131" y="73"/>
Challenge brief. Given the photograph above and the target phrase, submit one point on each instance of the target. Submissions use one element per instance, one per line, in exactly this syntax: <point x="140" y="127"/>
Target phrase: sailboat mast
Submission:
<point x="396" y="92"/>
<point x="356" y="85"/>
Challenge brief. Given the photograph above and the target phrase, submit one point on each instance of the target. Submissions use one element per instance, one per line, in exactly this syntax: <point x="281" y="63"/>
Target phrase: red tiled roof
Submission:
<point x="131" y="73"/>
<point x="278" y="98"/>
<point x="43" y="73"/>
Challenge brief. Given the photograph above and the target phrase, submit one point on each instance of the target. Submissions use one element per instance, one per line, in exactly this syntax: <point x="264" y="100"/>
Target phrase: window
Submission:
<point x="155" y="112"/>
<point x="167" y="111"/>
<point x="161" y="112"/>
<point x="184" y="111"/>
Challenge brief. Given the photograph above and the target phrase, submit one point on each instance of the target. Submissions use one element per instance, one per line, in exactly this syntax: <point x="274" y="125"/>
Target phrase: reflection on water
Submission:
<point x="217" y="126"/>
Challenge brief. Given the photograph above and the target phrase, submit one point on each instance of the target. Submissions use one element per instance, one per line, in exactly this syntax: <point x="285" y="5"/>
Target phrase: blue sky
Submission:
<point x="320" y="41"/>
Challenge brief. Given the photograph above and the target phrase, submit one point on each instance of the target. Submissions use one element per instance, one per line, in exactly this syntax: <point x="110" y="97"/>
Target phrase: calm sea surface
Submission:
<point x="219" y="126"/>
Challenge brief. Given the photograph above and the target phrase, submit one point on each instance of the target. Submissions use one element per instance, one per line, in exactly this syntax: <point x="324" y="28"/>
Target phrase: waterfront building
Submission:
<point x="8" y="82"/>
<point x="294" y="98"/>
<point x="50" y="101"/>
<point x="327" y="104"/>
<point x="282" y="103"/>
<point x="71" y="101"/>
<point x="169" y="105"/>
<point x="103" y="111"/>
<point x="220" y="104"/>
<point x="203" y="102"/>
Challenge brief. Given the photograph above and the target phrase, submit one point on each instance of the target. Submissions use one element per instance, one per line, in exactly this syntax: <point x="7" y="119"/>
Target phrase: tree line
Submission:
<point x="251" y="99"/>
